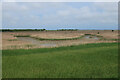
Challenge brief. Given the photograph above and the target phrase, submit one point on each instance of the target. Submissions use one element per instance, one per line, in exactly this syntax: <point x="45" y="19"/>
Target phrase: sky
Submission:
<point x="60" y="0"/>
<point x="60" y="15"/>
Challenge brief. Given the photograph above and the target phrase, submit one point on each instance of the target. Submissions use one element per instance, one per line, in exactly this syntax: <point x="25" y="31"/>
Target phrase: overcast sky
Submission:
<point x="51" y="15"/>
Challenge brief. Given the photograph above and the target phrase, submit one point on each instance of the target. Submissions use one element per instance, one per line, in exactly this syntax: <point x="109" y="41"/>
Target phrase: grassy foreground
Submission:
<point x="82" y="61"/>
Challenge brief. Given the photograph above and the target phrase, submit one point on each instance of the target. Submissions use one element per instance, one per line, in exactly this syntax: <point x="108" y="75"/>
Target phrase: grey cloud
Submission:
<point x="52" y="14"/>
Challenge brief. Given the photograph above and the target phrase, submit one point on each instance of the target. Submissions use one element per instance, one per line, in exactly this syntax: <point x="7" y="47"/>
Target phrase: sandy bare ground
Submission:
<point x="11" y="42"/>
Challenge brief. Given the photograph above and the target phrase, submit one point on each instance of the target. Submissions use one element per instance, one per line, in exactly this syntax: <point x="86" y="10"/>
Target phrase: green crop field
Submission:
<point x="98" y="60"/>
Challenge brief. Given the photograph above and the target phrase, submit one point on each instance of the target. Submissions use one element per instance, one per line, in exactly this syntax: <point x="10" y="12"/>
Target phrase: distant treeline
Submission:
<point x="67" y="29"/>
<point x="11" y="30"/>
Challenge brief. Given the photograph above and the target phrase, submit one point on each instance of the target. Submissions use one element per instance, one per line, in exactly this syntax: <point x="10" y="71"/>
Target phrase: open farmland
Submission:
<point x="42" y="39"/>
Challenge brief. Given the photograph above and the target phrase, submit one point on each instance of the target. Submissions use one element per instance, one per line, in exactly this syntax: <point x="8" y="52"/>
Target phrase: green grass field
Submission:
<point x="98" y="60"/>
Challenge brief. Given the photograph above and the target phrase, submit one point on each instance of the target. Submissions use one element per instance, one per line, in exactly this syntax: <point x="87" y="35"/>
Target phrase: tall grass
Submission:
<point x="50" y="39"/>
<point x="21" y="35"/>
<point x="82" y="61"/>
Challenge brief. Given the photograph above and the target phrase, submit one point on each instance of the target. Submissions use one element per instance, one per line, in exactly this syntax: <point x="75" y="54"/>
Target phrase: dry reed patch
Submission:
<point x="8" y="39"/>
